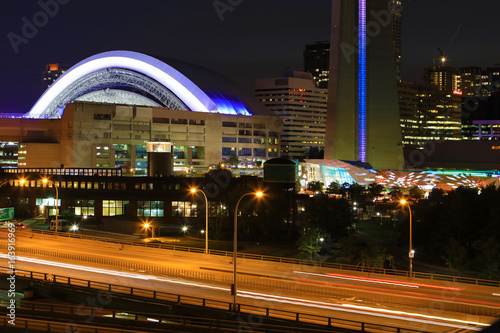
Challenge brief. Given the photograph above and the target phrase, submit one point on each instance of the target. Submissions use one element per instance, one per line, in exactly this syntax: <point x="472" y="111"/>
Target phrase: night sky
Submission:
<point x="256" y="38"/>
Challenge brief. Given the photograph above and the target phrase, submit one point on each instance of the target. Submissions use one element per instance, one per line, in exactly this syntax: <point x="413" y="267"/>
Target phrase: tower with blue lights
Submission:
<point x="363" y="113"/>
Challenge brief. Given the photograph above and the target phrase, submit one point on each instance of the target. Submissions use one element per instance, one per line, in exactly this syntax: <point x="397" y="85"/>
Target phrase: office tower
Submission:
<point x="296" y="98"/>
<point x="52" y="73"/>
<point x="427" y="113"/>
<point x="317" y="61"/>
<point x="363" y="114"/>
<point x="445" y="78"/>
<point x="470" y="80"/>
<point x="494" y="76"/>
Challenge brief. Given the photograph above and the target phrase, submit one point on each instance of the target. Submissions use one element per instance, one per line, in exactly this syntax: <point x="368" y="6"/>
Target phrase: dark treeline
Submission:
<point x="460" y="229"/>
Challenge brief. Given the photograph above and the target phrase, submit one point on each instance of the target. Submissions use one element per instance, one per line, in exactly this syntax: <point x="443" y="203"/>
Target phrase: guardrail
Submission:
<point x="302" y="262"/>
<point x="285" y="283"/>
<point x="178" y="299"/>
<point x="47" y="310"/>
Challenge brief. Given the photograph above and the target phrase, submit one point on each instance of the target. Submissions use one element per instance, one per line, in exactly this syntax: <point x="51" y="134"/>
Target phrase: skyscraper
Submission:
<point x="317" y="62"/>
<point x="363" y="114"/>
<point x="397" y="35"/>
<point x="443" y="77"/>
<point x="428" y="113"/>
<point x="296" y="98"/>
<point x="52" y="73"/>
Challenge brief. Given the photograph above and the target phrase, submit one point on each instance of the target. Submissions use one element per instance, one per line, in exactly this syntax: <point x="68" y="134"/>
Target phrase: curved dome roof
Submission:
<point x="172" y="83"/>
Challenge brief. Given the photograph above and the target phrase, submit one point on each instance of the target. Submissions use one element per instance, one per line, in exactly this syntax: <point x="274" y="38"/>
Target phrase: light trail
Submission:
<point x="395" y="292"/>
<point x="114" y="273"/>
<point x="378" y="312"/>
<point x="377" y="280"/>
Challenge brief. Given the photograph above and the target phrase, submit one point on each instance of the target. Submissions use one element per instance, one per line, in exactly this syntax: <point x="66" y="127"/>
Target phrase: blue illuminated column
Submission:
<point x="362" y="82"/>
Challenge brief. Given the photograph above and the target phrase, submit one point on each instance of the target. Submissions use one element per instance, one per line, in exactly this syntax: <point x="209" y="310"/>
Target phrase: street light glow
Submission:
<point x="146" y="225"/>
<point x="259" y="194"/>
<point x="22" y="181"/>
<point x="184" y="228"/>
<point x="194" y="190"/>
<point x="403" y="201"/>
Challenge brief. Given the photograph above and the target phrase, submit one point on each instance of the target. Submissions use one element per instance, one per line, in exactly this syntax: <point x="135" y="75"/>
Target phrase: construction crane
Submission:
<point x="442" y="55"/>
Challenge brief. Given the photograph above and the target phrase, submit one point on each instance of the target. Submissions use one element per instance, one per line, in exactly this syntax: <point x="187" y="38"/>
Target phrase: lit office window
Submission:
<point x="184" y="209"/>
<point x="150" y="208"/>
<point x="114" y="207"/>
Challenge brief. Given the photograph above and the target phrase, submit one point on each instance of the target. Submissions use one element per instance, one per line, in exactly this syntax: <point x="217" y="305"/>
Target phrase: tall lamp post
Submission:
<point x="45" y="181"/>
<point x="235" y="243"/>
<point x="194" y="190"/>
<point x="411" y="252"/>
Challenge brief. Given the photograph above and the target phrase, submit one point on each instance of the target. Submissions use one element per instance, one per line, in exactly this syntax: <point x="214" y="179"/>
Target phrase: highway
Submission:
<point x="419" y="305"/>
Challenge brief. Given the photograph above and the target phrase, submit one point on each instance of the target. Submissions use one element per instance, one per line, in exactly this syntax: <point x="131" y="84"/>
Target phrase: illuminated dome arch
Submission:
<point x="138" y="74"/>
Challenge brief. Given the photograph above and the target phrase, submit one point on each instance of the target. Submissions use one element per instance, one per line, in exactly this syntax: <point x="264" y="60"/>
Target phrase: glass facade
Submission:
<point x="114" y="207"/>
<point x="184" y="209"/>
<point x="150" y="208"/>
<point x="83" y="207"/>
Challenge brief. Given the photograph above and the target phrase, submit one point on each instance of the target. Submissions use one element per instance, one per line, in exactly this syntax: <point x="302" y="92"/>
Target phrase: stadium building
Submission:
<point x="103" y="111"/>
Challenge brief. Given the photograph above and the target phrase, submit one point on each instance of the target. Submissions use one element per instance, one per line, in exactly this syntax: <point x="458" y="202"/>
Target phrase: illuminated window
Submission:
<point x="184" y="209"/>
<point x="150" y="208"/>
<point x="83" y="207"/>
<point x="114" y="207"/>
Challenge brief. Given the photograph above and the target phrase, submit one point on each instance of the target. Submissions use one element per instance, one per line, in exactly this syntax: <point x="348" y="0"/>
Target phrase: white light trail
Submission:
<point x="378" y="312"/>
<point x="115" y="273"/>
<point x="359" y="279"/>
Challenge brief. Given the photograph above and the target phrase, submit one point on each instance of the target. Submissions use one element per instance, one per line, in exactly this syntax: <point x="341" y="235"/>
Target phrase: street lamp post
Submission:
<point x="45" y="181"/>
<point x="411" y="252"/>
<point x="321" y="239"/>
<point x="235" y="243"/>
<point x="194" y="190"/>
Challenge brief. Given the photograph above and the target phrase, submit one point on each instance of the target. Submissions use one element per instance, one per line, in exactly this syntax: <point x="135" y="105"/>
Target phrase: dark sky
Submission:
<point x="257" y="38"/>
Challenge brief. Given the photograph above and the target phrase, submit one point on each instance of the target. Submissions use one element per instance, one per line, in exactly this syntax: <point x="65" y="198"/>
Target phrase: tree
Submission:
<point x="331" y="216"/>
<point x="233" y="160"/>
<point x="456" y="255"/>
<point x="309" y="243"/>
<point x="333" y="188"/>
<point x="396" y="193"/>
<point x="375" y="190"/>
<point x="356" y="191"/>
<point x="315" y="186"/>
<point x="416" y="192"/>
<point x="488" y="257"/>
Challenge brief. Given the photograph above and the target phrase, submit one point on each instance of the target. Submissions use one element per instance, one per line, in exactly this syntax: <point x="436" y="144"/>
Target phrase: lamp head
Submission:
<point x="193" y="190"/>
<point x="45" y="180"/>
<point x="22" y="181"/>
<point x="403" y="201"/>
<point x="146" y="225"/>
<point x="259" y="194"/>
